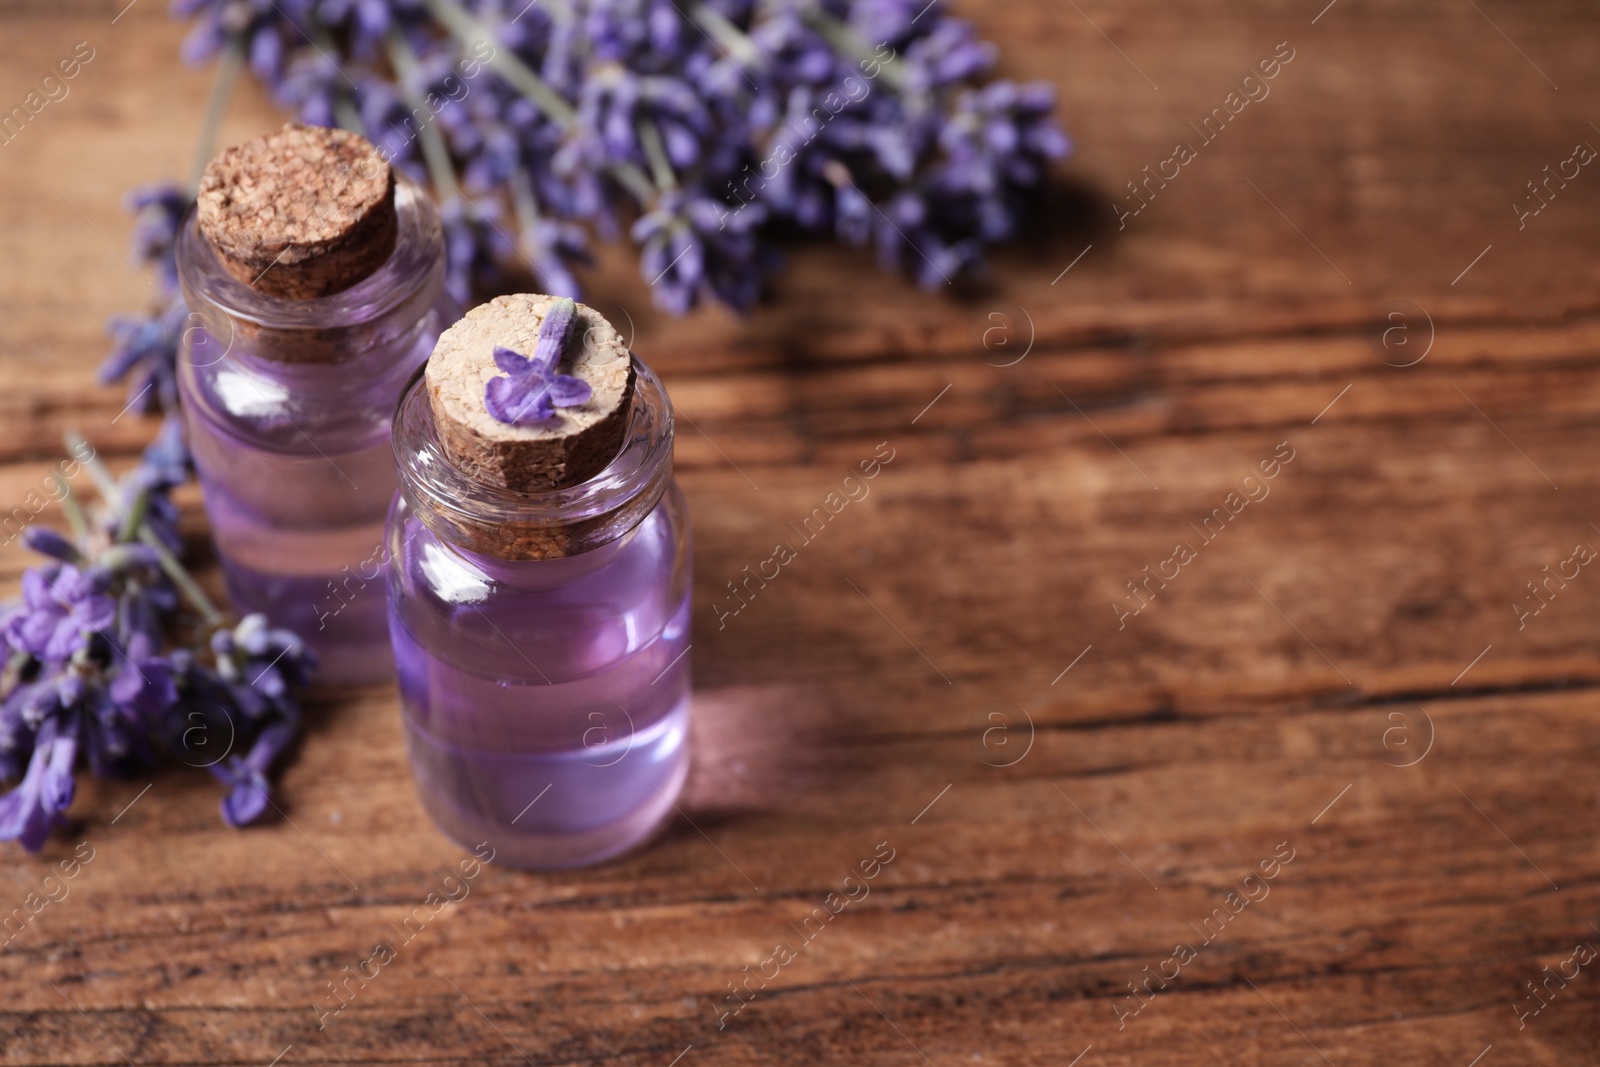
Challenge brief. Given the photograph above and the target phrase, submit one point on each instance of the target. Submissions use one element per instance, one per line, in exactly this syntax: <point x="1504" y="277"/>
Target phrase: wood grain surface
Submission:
<point x="1069" y="792"/>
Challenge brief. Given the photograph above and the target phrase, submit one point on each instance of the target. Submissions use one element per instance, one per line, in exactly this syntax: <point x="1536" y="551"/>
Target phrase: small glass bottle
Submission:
<point x="542" y="640"/>
<point x="288" y="397"/>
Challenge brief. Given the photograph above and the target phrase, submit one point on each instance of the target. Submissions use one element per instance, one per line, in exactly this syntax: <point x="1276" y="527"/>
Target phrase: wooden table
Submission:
<point x="1341" y="675"/>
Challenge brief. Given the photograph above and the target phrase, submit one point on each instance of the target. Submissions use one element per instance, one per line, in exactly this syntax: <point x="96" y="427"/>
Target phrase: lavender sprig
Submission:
<point x="94" y="669"/>
<point x="533" y="390"/>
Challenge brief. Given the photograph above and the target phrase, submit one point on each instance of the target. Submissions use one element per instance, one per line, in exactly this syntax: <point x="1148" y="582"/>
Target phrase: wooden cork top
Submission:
<point x="301" y="212"/>
<point x="574" y="443"/>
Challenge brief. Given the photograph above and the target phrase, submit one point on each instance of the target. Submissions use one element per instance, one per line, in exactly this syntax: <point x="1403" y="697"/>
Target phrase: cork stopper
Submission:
<point x="571" y="446"/>
<point x="299" y="213"/>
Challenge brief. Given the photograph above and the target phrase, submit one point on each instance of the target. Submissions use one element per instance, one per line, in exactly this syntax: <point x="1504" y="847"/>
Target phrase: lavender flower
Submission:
<point x="262" y="666"/>
<point x="87" y="668"/>
<point x="29" y="812"/>
<point x="146" y="353"/>
<point x="364" y="22"/>
<point x="146" y="349"/>
<point x="165" y="463"/>
<point x="159" y="209"/>
<point x="311" y="84"/>
<point x="534" y="390"/>
<point x="64" y="608"/>
<point x="474" y="243"/>
<point x="950" y="53"/>
<point x="554" y="244"/>
<point x="48" y="542"/>
<point x="203" y="725"/>
<point x="89" y="671"/>
<point x="265" y="28"/>
<point x="389" y="122"/>
<point x="249" y="791"/>
<point x="122" y="715"/>
<point x="892" y="21"/>
<point x="694" y="243"/>
<point x="16" y="736"/>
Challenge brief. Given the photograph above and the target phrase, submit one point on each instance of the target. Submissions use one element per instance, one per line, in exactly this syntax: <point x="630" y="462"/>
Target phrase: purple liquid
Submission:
<point x="546" y="702"/>
<point x="289" y="407"/>
<point x="299" y="532"/>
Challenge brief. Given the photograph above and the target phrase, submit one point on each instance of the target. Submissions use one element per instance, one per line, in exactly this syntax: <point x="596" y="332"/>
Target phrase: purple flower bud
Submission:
<point x="533" y="390"/>
<point x="49" y="542"/>
<point x="28" y="812"/>
<point x="63" y="607"/>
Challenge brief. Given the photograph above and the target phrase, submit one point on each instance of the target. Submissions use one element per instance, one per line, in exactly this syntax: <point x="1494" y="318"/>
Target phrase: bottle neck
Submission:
<point x="494" y="524"/>
<point x="324" y="340"/>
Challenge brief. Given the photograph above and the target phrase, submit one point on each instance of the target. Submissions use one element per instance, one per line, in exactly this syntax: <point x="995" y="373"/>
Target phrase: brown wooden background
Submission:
<point x="1245" y="707"/>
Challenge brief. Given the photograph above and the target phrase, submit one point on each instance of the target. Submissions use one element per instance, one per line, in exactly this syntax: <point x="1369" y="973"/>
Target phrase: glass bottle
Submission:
<point x="288" y="405"/>
<point x="545" y="700"/>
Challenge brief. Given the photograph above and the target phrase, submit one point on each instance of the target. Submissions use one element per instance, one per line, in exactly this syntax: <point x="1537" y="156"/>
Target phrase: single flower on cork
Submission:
<point x="534" y="390"/>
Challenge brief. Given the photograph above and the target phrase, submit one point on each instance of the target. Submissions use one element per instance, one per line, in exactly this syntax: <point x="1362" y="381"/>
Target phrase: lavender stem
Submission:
<point x="527" y="212"/>
<point x="221" y="90"/>
<point x="345" y="113"/>
<point x="103" y="480"/>
<point x="180" y="577"/>
<point x="656" y="152"/>
<point x="74" y="513"/>
<point x="728" y="36"/>
<point x="134" y="517"/>
<point x="841" y="37"/>
<point x="468" y="30"/>
<point x="434" y="153"/>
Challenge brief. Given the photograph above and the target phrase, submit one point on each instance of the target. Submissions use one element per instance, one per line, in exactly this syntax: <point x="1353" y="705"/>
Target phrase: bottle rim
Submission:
<point x="491" y="520"/>
<point x="415" y="268"/>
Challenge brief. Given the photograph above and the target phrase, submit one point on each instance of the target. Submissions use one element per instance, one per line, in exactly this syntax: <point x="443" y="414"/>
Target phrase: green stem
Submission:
<point x="522" y="201"/>
<point x="469" y="31"/>
<point x="527" y="212"/>
<point x="134" y="517"/>
<point x="345" y="113"/>
<point x="221" y="89"/>
<point x="656" y="152"/>
<point x="97" y="470"/>
<point x="74" y="513"/>
<point x="133" y="525"/>
<point x="408" y="73"/>
<point x="180" y="577"/>
<point x="733" y="40"/>
<point x="636" y="181"/>
<point x="845" y="41"/>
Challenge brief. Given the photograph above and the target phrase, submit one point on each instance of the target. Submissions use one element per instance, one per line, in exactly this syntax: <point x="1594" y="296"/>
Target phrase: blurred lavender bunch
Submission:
<point x="92" y="673"/>
<point x="696" y="126"/>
